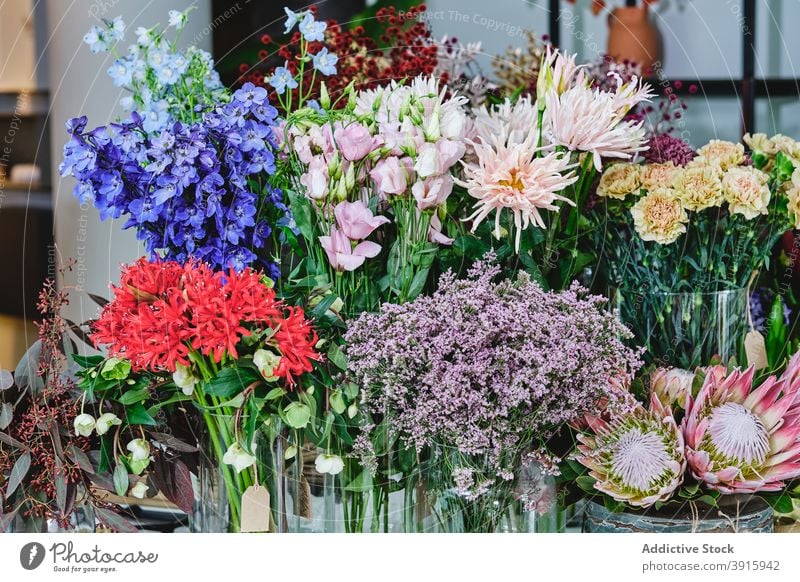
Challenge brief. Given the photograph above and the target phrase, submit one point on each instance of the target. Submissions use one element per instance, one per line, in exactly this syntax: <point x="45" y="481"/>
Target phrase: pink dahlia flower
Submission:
<point x="744" y="440"/>
<point x="510" y="176"/>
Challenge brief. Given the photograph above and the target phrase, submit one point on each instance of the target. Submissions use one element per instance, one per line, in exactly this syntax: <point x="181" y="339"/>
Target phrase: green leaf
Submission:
<point x="351" y="390"/>
<point x="87" y="361"/>
<point x="275" y="394"/>
<point x="586" y="483"/>
<point x="115" y="369"/>
<point x="297" y="415"/>
<point x="337" y="357"/>
<point x="361" y="484"/>
<point x="134" y="396"/>
<point x="120" y="480"/>
<point x="780" y="503"/>
<point x="337" y="402"/>
<point x="137" y="414"/>
<point x="18" y="472"/>
<point x="303" y="215"/>
<point x="230" y="381"/>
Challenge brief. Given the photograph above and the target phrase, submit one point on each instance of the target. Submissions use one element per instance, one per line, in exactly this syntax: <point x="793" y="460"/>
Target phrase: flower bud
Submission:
<point x="84" y="425"/>
<point x="106" y="421"/>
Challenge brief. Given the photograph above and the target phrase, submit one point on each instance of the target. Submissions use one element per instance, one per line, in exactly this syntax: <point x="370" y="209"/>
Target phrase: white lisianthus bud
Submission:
<point x="106" y="421"/>
<point x="84" y="424"/>
<point x="139" y="490"/>
<point x="185" y="379"/>
<point x="331" y="464"/>
<point x="140" y="449"/>
<point x="238" y="457"/>
<point x="267" y="361"/>
<point x="290" y="452"/>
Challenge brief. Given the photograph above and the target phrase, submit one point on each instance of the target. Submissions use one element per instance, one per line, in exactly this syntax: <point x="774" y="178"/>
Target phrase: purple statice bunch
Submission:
<point x="487" y="370"/>
<point x="666" y="148"/>
<point x="193" y="190"/>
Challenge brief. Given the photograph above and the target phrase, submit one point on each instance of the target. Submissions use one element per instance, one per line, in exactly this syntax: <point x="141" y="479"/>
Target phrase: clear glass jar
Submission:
<point x="685" y="330"/>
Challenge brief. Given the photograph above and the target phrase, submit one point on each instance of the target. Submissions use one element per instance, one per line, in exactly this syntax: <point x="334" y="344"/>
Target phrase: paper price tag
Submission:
<point x="756" y="349"/>
<point x="255" y="509"/>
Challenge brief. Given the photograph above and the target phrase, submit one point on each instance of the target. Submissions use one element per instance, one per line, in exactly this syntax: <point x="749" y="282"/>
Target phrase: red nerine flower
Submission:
<point x="296" y="340"/>
<point x="161" y="311"/>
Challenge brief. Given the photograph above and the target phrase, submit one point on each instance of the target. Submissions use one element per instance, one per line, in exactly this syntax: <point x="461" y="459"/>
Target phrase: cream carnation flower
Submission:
<point x="699" y="187"/>
<point x="619" y="180"/>
<point x="659" y="217"/>
<point x="793" y="196"/>
<point x="511" y="176"/>
<point x="659" y="175"/>
<point x="746" y="191"/>
<point x="725" y="154"/>
<point x="761" y="143"/>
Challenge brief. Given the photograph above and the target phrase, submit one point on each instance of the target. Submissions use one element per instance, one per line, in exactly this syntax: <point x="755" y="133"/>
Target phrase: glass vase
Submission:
<point x="685" y="330"/>
<point x="464" y="495"/>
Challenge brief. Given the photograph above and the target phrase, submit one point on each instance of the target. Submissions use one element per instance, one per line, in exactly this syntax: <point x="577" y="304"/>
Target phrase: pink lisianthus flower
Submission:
<point x="356" y="221"/>
<point x="315" y="180"/>
<point x="354" y="141"/>
<point x="343" y="255"/>
<point x="435" y="233"/>
<point x="432" y="192"/>
<point x="390" y="176"/>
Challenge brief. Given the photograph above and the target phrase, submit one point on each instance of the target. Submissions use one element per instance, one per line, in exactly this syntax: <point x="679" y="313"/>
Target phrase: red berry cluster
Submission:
<point x="404" y="49"/>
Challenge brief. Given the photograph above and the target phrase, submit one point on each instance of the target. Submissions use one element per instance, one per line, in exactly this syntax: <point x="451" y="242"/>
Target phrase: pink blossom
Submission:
<point x="315" y="179"/>
<point x="432" y="192"/>
<point x="390" y="175"/>
<point x="354" y="140"/>
<point x="435" y="233"/>
<point x="449" y="153"/>
<point x="356" y="220"/>
<point x="302" y="147"/>
<point x="341" y="253"/>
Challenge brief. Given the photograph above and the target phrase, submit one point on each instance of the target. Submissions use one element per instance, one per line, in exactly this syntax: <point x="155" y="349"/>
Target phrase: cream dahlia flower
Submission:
<point x="659" y="175"/>
<point x="619" y="180"/>
<point x="746" y="190"/>
<point x="745" y="440"/>
<point x="510" y="176"/>
<point x="699" y="187"/>
<point x="659" y="216"/>
<point x="512" y="122"/>
<point x="588" y="120"/>
<point x="638" y="457"/>
<point x="724" y="154"/>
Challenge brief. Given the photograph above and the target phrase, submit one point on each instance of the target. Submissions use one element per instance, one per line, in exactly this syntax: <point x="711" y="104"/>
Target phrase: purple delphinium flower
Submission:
<point x="490" y="370"/>
<point x="189" y="190"/>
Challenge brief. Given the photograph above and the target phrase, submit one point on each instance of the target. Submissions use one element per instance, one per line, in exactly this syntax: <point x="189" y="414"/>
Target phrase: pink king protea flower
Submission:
<point x="637" y="457"/>
<point x="511" y="176"/>
<point x="741" y="440"/>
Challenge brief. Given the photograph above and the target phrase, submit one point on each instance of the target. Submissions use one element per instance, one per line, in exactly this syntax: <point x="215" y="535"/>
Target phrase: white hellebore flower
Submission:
<point x="238" y="457"/>
<point x="105" y="422"/>
<point x="84" y="424"/>
<point x="184" y="379"/>
<point x="332" y="464"/>
<point x="267" y="361"/>
<point x="139" y="490"/>
<point x="140" y="450"/>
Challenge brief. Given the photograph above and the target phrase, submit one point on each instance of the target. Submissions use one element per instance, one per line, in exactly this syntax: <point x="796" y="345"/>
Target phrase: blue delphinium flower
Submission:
<point x="190" y="190"/>
<point x="325" y="62"/>
<point x="282" y="79"/>
<point x="292" y="18"/>
<point x="311" y="29"/>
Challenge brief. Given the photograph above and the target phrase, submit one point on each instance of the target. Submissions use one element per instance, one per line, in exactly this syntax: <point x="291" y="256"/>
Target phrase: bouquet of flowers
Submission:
<point x="674" y="235"/>
<point x="703" y="437"/>
<point x="534" y="160"/>
<point x="194" y="185"/>
<point x="179" y="334"/>
<point x="477" y="379"/>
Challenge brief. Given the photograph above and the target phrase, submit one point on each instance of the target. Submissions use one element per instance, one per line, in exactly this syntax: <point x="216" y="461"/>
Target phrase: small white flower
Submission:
<point x="140" y="450"/>
<point x="266" y="362"/>
<point x="143" y="36"/>
<point x="139" y="490"/>
<point x="427" y="163"/>
<point x="177" y="19"/>
<point x="185" y="379"/>
<point x="238" y="457"/>
<point x="84" y="425"/>
<point x="105" y="422"/>
<point x="331" y="464"/>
